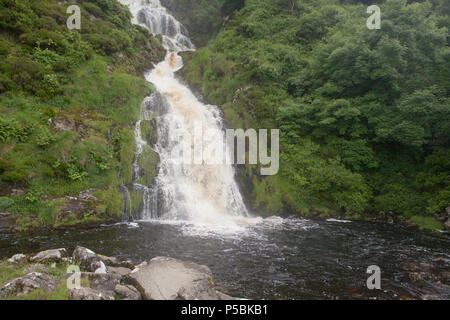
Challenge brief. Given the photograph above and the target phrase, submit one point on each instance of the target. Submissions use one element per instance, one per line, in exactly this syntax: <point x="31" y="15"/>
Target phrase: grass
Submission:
<point x="427" y="223"/>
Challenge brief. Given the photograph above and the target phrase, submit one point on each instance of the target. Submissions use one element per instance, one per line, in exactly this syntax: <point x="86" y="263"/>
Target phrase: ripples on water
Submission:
<point x="275" y="258"/>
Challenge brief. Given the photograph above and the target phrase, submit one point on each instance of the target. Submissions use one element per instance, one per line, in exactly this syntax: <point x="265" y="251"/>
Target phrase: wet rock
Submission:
<point x="169" y="279"/>
<point x="28" y="283"/>
<point x="55" y="255"/>
<point x="127" y="292"/>
<point x="118" y="270"/>
<point x="90" y="294"/>
<point x="18" y="259"/>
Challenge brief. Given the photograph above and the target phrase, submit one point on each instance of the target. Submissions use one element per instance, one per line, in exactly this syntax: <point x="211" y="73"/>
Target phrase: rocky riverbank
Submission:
<point x="86" y="275"/>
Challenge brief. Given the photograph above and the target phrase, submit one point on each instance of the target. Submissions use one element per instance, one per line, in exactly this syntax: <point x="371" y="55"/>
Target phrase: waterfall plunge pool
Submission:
<point x="275" y="258"/>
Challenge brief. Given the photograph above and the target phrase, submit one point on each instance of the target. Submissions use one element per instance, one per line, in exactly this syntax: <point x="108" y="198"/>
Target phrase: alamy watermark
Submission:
<point x="374" y="21"/>
<point x="374" y="281"/>
<point x="74" y="21"/>
<point x="74" y="280"/>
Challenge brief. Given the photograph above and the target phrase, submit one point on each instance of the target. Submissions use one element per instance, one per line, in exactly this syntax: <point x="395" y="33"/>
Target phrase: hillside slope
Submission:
<point x="68" y="102"/>
<point x="364" y="114"/>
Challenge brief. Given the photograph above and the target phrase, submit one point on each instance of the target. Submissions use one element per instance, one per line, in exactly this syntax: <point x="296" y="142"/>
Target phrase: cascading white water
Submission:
<point x="194" y="192"/>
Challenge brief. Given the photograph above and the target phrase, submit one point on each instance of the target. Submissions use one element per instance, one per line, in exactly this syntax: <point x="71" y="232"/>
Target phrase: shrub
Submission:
<point x="5" y="203"/>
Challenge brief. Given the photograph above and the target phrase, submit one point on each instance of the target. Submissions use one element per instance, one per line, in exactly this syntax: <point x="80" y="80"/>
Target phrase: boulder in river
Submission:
<point x="55" y="255"/>
<point x="170" y="279"/>
<point x="28" y="283"/>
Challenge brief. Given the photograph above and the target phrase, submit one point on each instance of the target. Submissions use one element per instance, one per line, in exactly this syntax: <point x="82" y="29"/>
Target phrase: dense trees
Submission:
<point x="364" y="114"/>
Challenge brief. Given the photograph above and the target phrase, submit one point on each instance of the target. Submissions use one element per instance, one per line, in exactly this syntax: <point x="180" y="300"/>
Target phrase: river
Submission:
<point x="275" y="258"/>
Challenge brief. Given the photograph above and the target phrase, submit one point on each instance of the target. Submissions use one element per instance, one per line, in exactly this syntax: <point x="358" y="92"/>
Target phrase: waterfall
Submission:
<point x="181" y="191"/>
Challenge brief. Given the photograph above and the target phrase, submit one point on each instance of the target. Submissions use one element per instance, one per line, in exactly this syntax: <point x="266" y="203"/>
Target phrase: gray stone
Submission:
<point x="169" y="279"/>
<point x="105" y="281"/>
<point x="90" y="294"/>
<point x="55" y="255"/>
<point x="28" y="283"/>
<point x="119" y="270"/>
<point x="18" y="258"/>
<point x="127" y="292"/>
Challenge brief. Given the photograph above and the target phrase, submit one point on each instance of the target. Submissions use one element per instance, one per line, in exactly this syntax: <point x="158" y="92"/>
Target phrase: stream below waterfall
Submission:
<point x="275" y="258"/>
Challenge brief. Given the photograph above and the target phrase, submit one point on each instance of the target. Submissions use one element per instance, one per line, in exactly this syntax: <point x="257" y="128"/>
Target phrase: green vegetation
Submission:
<point x="68" y="102"/>
<point x="364" y="114"/>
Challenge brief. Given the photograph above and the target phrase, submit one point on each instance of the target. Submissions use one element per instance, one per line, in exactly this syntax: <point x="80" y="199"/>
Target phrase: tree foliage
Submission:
<point x="364" y="114"/>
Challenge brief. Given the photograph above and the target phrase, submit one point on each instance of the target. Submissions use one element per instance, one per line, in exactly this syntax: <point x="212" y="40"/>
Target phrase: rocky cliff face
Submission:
<point x="202" y="18"/>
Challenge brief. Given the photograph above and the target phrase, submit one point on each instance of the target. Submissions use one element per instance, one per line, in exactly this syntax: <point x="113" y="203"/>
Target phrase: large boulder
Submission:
<point x="54" y="255"/>
<point x="90" y="294"/>
<point x="28" y="283"/>
<point x="170" y="279"/>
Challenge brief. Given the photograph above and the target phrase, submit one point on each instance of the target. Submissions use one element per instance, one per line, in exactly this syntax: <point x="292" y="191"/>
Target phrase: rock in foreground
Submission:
<point x="28" y="283"/>
<point x="90" y="294"/>
<point x="170" y="279"/>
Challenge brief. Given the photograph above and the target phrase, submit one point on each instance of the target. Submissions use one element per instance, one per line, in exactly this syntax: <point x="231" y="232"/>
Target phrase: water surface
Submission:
<point x="275" y="258"/>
